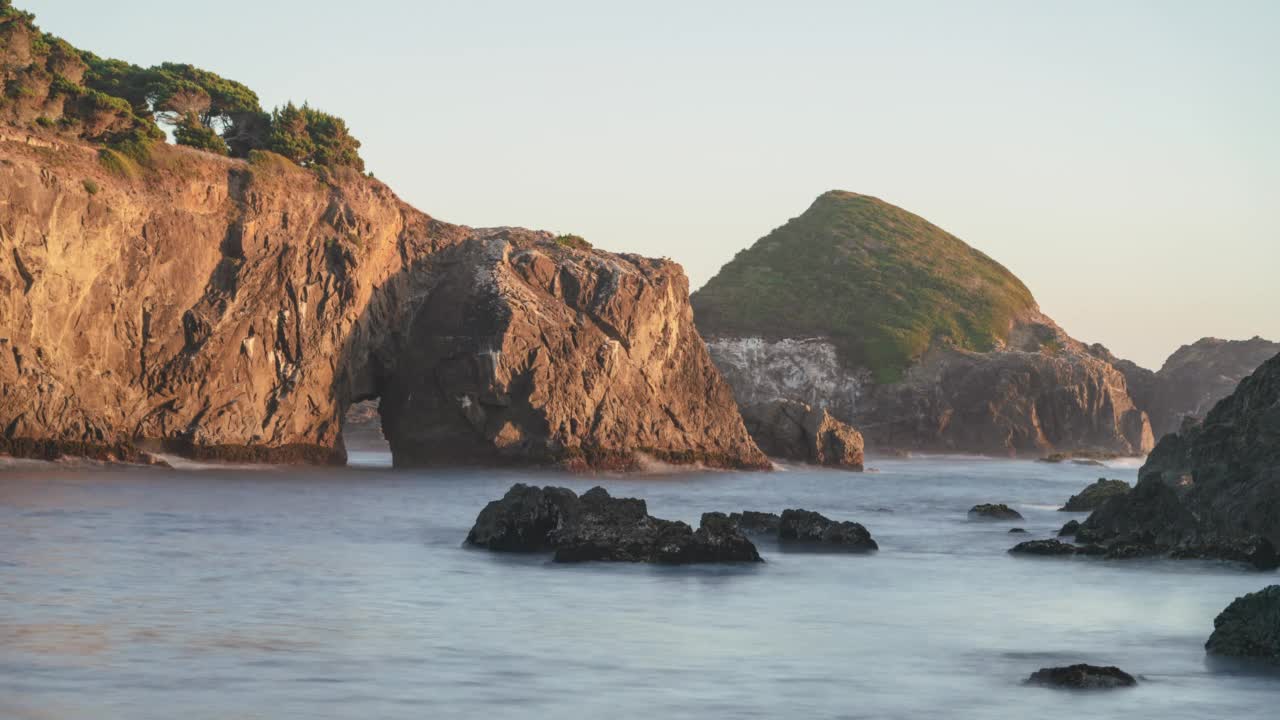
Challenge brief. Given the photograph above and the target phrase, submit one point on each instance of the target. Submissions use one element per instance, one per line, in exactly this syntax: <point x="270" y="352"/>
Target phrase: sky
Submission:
<point x="1122" y="158"/>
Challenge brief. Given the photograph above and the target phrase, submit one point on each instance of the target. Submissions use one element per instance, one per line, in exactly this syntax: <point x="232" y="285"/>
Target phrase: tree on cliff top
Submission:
<point x="310" y="137"/>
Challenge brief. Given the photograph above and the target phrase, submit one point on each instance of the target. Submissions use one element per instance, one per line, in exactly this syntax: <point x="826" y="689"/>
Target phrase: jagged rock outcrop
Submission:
<point x="1082" y="677"/>
<point x="905" y="332"/>
<point x="597" y="526"/>
<point x="1212" y="490"/>
<point x="1093" y="496"/>
<point x="795" y="431"/>
<point x="1192" y="380"/>
<point x="235" y="309"/>
<point x="1249" y="628"/>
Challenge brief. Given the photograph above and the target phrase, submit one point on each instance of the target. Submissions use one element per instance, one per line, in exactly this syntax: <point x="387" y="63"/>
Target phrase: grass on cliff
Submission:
<point x="881" y="282"/>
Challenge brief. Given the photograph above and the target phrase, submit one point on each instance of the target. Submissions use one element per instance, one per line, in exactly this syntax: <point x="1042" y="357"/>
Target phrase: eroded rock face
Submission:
<point x="1094" y="495"/>
<point x="523" y="349"/>
<point x="1249" y="628"/>
<point x="796" y="431"/>
<point x="597" y="526"/>
<point x="235" y="310"/>
<point x="1082" y="677"/>
<point x="1211" y="491"/>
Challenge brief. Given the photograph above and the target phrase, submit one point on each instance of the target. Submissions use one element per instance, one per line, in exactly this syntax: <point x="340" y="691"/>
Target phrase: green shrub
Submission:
<point x="45" y="122"/>
<point x="118" y="164"/>
<point x="91" y="187"/>
<point x="573" y="241"/>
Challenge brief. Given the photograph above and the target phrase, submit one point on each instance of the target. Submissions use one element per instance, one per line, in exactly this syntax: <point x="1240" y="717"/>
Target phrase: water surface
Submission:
<point x="137" y="593"/>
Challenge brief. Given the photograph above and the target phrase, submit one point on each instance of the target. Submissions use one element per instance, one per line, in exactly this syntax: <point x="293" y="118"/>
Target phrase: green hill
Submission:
<point x="880" y="282"/>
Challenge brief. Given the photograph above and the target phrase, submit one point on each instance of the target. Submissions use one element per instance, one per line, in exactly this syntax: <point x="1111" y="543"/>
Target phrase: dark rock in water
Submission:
<point x="1086" y="461"/>
<point x="1043" y="547"/>
<point x="1249" y="628"/>
<point x="803" y="526"/>
<point x="523" y="520"/>
<point x="597" y="526"/>
<point x="1093" y="496"/>
<point x="1091" y="549"/>
<point x="994" y="512"/>
<point x="1212" y="490"/>
<point x="1082" y="677"/>
<point x="796" y="431"/>
<point x="1019" y="531"/>
<point x="1070" y="528"/>
<point x="1256" y="551"/>
<point x="756" y="523"/>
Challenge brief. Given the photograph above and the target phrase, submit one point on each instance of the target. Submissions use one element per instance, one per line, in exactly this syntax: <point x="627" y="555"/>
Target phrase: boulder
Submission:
<point x="1249" y="628"/>
<point x="813" y="529"/>
<point x="1082" y="677"/>
<point x="1069" y="528"/>
<point x="1093" y="496"/>
<point x="990" y="511"/>
<point x="597" y="526"/>
<point x="1043" y="547"/>
<point x="796" y="431"/>
<point x="756" y="523"/>
<point x="524" y="519"/>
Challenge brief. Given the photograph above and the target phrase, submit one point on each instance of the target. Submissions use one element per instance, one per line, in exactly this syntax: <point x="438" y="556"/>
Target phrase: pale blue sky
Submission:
<point x="1123" y="158"/>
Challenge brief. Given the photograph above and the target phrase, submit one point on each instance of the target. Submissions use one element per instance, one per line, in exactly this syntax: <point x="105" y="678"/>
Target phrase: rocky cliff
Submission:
<point x="1211" y="489"/>
<point x="235" y="309"/>
<point x="917" y="339"/>
<point x="1193" y="379"/>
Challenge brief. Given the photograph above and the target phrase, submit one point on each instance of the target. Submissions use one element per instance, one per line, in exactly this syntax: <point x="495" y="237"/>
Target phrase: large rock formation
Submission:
<point x="236" y="309"/>
<point x="1193" y="379"/>
<point x="1093" y="496"/>
<point x="796" y="431"/>
<point x="902" y="330"/>
<point x="1212" y="490"/>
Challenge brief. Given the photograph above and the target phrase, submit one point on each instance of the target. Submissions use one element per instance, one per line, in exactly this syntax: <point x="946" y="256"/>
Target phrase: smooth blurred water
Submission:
<point x="307" y="593"/>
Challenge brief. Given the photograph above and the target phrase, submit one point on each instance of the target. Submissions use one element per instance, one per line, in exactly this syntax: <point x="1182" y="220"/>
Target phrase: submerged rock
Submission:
<point x="990" y="511"/>
<point x="1017" y="531"/>
<point x="796" y="431"/>
<point x="804" y="526"/>
<point x="1249" y="627"/>
<point x="1043" y="547"/>
<point x="597" y="526"/>
<point x="756" y="523"/>
<point x="1093" y="496"/>
<point x="1082" y="677"/>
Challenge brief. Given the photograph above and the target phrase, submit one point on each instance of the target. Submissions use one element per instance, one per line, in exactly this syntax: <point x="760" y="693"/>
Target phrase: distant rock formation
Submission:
<point x="1212" y="490"/>
<point x="794" y="431"/>
<point x="226" y="309"/>
<point x="1193" y="379"/>
<point x="918" y="340"/>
